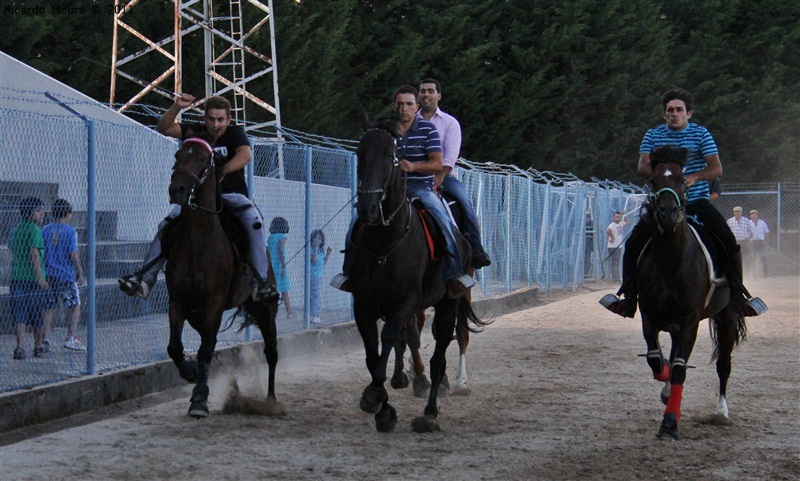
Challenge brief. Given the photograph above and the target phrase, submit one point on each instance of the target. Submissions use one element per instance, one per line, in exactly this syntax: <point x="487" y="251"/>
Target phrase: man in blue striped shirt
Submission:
<point x="702" y="166"/>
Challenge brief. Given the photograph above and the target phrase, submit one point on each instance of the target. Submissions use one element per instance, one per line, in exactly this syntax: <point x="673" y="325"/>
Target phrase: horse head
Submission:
<point x="194" y="163"/>
<point x="380" y="179"/>
<point x="669" y="198"/>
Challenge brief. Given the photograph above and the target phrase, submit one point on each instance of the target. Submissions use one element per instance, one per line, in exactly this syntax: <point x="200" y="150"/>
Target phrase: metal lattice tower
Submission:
<point x="226" y="50"/>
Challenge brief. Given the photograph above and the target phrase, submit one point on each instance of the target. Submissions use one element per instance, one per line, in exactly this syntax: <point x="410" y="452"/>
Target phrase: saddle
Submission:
<point x="433" y="233"/>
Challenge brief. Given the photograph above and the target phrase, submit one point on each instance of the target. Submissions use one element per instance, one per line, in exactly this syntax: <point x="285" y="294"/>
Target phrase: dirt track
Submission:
<point x="558" y="392"/>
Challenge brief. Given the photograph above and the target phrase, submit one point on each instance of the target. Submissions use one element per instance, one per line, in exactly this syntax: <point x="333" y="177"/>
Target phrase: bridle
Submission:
<point x="679" y="198"/>
<point x="385" y="221"/>
<point x="198" y="180"/>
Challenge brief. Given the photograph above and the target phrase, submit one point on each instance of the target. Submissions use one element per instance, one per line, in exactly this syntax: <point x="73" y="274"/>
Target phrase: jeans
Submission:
<point x="453" y="187"/>
<point x="452" y="262"/>
<point x="316" y="296"/>
<point x="244" y="210"/>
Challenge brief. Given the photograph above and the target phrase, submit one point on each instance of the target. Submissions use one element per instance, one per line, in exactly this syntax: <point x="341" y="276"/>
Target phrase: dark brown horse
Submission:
<point x="677" y="291"/>
<point x="205" y="273"/>
<point x="393" y="276"/>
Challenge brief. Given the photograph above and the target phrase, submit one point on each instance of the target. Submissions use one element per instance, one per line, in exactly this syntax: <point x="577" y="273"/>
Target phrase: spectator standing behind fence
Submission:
<point x="319" y="257"/>
<point x="614" y="232"/>
<point x="742" y="231"/>
<point x="28" y="279"/>
<point x="276" y="245"/>
<point x="64" y="273"/>
<point x="760" y="233"/>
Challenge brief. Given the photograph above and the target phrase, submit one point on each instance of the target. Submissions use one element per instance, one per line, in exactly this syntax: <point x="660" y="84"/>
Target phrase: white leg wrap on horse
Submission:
<point x="722" y="406"/>
<point x="461" y="376"/>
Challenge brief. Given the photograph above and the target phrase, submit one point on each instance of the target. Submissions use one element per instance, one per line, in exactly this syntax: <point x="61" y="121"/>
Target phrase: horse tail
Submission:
<point x="467" y="317"/>
<point x="719" y="321"/>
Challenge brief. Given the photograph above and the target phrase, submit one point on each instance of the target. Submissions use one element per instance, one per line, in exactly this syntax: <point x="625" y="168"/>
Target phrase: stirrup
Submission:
<point x="132" y="285"/>
<point x="458" y="287"/>
<point x="263" y="292"/>
<point x="618" y="306"/>
<point x="341" y="282"/>
<point x="754" y="307"/>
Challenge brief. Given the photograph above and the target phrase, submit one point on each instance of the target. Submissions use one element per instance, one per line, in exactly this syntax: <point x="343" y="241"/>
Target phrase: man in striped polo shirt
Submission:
<point x="702" y="166"/>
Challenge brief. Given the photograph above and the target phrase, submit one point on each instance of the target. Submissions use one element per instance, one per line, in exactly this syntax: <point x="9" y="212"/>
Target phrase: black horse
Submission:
<point x="677" y="291"/>
<point x="393" y="275"/>
<point x="205" y="273"/>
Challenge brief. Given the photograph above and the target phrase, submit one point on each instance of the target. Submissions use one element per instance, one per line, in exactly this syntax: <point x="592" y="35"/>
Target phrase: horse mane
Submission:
<point x="668" y="154"/>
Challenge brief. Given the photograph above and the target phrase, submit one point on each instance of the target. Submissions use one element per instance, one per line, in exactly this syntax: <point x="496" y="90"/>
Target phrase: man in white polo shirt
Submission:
<point x="742" y="231"/>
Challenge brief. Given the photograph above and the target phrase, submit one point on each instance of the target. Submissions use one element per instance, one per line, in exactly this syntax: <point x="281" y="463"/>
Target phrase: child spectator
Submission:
<point x="276" y="247"/>
<point x="28" y="281"/>
<point x="319" y="257"/>
<point x="63" y="266"/>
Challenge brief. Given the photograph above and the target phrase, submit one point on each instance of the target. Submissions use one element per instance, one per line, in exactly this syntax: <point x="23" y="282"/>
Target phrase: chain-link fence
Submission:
<point x="538" y="228"/>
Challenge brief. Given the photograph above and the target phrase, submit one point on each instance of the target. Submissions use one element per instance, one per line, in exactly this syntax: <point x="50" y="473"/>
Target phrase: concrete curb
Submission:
<point x="46" y="403"/>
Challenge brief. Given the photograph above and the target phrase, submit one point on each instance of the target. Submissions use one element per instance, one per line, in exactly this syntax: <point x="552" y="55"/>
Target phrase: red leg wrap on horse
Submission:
<point x="674" y="403"/>
<point x="663" y="375"/>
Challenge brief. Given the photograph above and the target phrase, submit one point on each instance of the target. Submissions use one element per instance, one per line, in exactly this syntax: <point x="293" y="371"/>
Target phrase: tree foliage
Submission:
<point x="565" y="85"/>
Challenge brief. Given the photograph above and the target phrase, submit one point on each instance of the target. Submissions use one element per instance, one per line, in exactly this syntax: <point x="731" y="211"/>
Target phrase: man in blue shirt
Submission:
<point x="702" y="166"/>
<point x="420" y="155"/>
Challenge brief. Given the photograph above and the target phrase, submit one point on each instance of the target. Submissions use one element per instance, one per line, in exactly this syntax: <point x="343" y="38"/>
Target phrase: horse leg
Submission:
<point x="728" y="325"/>
<point x="414" y="334"/>
<point x="187" y="369"/>
<point x="682" y="346"/>
<point x="462" y="336"/>
<point x="374" y="398"/>
<point x="207" y="324"/>
<point x="443" y="326"/>
<point x="264" y="314"/>
<point x="399" y="378"/>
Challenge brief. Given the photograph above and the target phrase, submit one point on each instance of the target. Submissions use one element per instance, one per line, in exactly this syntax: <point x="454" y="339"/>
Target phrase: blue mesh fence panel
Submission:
<point x="533" y="227"/>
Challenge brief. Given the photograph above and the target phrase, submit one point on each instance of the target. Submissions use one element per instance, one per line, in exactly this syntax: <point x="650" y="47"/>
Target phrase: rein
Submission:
<point x="382" y="259"/>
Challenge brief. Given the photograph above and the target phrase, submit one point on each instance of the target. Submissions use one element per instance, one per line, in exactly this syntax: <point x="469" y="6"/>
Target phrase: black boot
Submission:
<point x="626" y="306"/>
<point x="742" y="302"/>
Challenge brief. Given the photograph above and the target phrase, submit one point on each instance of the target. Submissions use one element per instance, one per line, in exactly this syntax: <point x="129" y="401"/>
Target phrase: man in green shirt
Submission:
<point x="27" y="280"/>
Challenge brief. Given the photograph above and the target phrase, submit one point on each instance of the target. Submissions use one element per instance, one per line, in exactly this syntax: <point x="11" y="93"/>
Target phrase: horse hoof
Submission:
<point x="444" y="391"/>
<point x="198" y="409"/>
<point x="425" y="424"/>
<point x="189" y="371"/>
<point x="386" y="419"/>
<point x="399" y="381"/>
<point x="422" y="387"/>
<point x="461" y="391"/>
<point x="669" y="428"/>
<point x="372" y="399"/>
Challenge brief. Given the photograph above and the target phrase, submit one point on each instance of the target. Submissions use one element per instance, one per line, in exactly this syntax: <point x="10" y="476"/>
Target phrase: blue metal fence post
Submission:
<point x="778" y="245"/>
<point x="250" y="173"/>
<point x="508" y="233"/>
<point x="91" y="232"/>
<point x="307" y="270"/>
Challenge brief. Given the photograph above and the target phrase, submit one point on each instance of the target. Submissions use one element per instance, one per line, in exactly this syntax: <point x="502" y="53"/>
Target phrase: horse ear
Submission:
<point x="365" y="122"/>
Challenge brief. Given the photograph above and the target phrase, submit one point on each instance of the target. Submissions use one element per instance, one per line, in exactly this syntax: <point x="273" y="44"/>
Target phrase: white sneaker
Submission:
<point x="316" y="321"/>
<point x="74" y="343"/>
